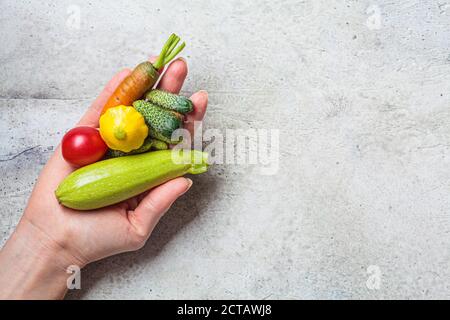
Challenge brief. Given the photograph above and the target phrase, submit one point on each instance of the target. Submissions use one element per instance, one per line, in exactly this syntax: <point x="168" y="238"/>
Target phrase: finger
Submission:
<point x="200" y="102"/>
<point x="156" y="203"/>
<point x="132" y="203"/>
<point x="92" y="115"/>
<point x="173" y="79"/>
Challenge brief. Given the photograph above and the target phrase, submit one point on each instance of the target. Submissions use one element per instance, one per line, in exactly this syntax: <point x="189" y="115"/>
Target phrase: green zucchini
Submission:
<point x="170" y="101"/>
<point x="161" y="122"/>
<point x="114" y="180"/>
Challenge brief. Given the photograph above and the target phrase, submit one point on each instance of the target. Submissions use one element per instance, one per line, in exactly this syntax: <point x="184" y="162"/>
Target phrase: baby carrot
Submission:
<point x="144" y="76"/>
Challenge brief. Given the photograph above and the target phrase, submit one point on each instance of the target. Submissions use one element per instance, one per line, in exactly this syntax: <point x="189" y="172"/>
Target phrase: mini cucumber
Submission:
<point x="170" y="101"/>
<point x="114" y="180"/>
<point x="149" y="143"/>
<point x="159" y="145"/>
<point x="161" y="122"/>
<point x="146" y="146"/>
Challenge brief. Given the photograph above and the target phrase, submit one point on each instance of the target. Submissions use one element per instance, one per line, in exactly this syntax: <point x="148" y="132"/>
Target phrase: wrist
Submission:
<point x="34" y="265"/>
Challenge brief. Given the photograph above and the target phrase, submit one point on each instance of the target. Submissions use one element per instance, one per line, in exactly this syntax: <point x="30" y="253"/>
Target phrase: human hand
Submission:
<point x="55" y="236"/>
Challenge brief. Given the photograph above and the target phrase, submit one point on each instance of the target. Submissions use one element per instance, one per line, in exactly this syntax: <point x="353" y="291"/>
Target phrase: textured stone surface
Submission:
<point x="360" y="94"/>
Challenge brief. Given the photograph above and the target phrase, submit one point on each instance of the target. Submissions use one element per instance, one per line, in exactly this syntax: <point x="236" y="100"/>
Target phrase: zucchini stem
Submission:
<point x="169" y="51"/>
<point x="199" y="162"/>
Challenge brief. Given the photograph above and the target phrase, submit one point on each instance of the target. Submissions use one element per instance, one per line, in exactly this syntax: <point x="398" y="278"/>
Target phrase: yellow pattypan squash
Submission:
<point x="123" y="128"/>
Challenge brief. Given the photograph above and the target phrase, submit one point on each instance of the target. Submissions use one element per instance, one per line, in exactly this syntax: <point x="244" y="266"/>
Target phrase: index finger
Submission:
<point x="172" y="80"/>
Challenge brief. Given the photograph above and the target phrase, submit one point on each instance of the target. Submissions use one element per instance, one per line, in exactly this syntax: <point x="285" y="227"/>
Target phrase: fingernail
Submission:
<point x="182" y="59"/>
<point x="205" y="93"/>
<point x="190" y="182"/>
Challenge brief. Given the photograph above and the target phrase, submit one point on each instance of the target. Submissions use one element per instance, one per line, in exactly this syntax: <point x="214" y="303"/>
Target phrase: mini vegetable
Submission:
<point x="111" y="181"/>
<point x="161" y="122"/>
<point x="170" y="101"/>
<point x="123" y="128"/>
<point x="148" y="144"/>
<point x="82" y="145"/>
<point x="144" y="76"/>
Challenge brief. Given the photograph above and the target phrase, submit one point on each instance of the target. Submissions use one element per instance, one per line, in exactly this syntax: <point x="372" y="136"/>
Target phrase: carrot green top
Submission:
<point x="169" y="51"/>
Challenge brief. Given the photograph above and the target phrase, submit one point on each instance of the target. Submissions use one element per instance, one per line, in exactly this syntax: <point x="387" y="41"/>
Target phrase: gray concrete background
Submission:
<point x="360" y="91"/>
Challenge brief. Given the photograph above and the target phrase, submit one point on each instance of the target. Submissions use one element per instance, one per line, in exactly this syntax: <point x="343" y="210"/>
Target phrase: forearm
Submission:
<point x="32" y="266"/>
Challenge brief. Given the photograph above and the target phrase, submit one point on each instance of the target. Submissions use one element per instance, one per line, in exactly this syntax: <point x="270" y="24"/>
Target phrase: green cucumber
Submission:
<point x="114" y="180"/>
<point x="161" y="122"/>
<point x="170" y="101"/>
<point x="159" y="145"/>
<point x="149" y="143"/>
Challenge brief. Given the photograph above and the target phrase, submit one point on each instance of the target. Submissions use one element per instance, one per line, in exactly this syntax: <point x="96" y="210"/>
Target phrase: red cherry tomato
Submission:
<point x="82" y="146"/>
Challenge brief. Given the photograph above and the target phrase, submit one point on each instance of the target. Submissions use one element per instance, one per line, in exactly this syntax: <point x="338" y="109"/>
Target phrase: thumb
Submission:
<point x="147" y="214"/>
